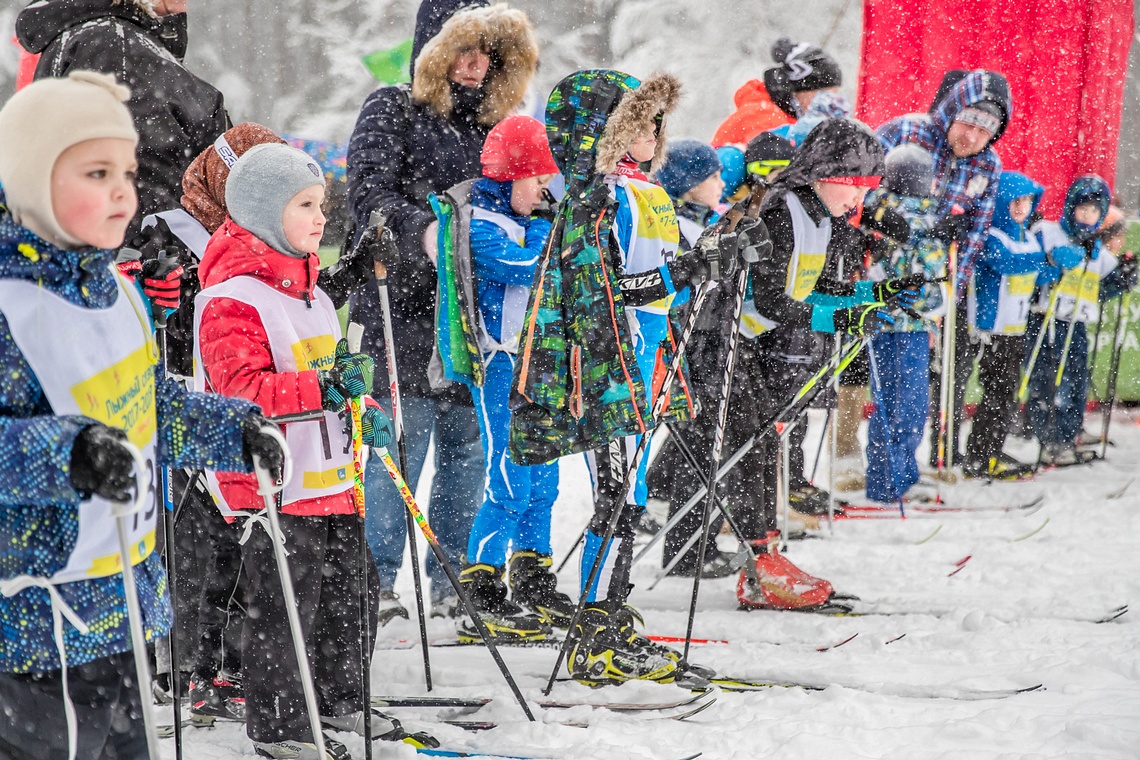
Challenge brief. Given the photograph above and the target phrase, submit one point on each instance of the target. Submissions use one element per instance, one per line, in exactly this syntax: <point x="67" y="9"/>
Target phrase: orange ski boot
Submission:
<point x="773" y="582"/>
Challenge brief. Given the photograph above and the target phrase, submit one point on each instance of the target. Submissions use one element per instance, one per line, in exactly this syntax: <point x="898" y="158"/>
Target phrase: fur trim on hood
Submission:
<point x="657" y="95"/>
<point x="506" y="34"/>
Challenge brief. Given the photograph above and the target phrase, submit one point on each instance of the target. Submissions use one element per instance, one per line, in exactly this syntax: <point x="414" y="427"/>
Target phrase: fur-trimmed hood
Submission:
<point x="593" y="116"/>
<point x="508" y="37"/>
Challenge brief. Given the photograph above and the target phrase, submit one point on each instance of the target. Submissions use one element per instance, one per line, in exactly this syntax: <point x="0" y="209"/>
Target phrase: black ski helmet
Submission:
<point x="910" y="171"/>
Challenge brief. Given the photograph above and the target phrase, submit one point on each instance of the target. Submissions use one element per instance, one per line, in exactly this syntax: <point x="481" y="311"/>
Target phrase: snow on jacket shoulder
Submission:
<point x="39" y="510"/>
<point x="177" y="114"/>
<point x="235" y="349"/>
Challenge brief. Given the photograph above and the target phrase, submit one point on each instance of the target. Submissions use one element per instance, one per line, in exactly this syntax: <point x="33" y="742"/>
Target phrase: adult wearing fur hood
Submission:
<point x="142" y="43"/>
<point x="472" y="65"/>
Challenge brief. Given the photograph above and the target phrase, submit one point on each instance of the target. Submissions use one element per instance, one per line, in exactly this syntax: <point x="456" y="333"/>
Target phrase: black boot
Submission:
<point x="534" y="586"/>
<point x="504" y="619"/>
<point x="607" y="649"/>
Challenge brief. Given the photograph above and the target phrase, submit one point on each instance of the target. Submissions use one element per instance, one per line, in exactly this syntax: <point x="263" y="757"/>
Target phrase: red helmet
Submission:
<point x="516" y="148"/>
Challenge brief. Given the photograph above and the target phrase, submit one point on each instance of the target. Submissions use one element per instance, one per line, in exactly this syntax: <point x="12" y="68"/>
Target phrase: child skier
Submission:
<point x="827" y="178"/>
<point x="79" y="380"/>
<point x="598" y="338"/>
<point x="998" y="306"/>
<point x="506" y="241"/>
<point x="265" y="332"/>
<point x="900" y="354"/>
<point x="691" y="175"/>
<point x="1056" y="412"/>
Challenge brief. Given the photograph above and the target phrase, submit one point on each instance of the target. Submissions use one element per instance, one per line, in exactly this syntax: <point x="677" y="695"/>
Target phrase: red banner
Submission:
<point x="1065" y="61"/>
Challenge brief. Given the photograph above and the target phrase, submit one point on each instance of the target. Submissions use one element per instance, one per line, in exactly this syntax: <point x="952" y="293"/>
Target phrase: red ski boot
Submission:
<point x="775" y="583"/>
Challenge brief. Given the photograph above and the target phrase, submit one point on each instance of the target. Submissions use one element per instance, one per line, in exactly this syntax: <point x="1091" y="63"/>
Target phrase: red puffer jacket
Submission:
<point x="236" y="355"/>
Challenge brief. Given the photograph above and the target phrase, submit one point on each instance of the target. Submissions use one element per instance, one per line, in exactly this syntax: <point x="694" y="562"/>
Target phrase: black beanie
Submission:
<point x="806" y="66"/>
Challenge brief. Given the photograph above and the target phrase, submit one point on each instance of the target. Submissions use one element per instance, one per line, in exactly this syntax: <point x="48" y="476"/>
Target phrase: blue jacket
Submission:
<point x="39" y="519"/>
<point x="501" y="265"/>
<point x="997" y="260"/>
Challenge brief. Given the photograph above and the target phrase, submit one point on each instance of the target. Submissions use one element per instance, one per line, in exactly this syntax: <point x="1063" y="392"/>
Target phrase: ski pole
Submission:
<point x="384" y="239"/>
<point x="271" y="496"/>
<point x="165" y="493"/>
<point x="134" y="609"/>
<point x="657" y="409"/>
<point x="717" y="448"/>
<point x="799" y="402"/>
<point x="1092" y="359"/>
<point x="353" y="406"/>
<point x="429" y="535"/>
<point x="1122" y="314"/>
<point x="948" y="429"/>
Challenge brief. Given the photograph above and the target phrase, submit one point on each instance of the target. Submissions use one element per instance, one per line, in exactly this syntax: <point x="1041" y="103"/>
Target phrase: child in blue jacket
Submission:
<point x="79" y="377"/>
<point x="507" y="239"/>
<point x="998" y="306"/>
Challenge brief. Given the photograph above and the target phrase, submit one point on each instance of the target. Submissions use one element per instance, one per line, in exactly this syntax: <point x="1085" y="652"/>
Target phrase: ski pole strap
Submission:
<point x="406" y="494"/>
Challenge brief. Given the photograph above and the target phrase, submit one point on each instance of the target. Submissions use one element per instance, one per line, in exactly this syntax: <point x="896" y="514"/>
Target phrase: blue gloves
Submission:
<point x="375" y="428"/>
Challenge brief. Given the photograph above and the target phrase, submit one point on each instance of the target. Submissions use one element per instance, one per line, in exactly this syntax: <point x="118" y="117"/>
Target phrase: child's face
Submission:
<point x="93" y="190"/>
<point x="303" y="221"/>
<point x="644" y="146"/>
<point x="526" y="193"/>
<point x="708" y="192"/>
<point x="1087" y="214"/>
<point x="469" y="68"/>
<point x="839" y="199"/>
<point x="1019" y="208"/>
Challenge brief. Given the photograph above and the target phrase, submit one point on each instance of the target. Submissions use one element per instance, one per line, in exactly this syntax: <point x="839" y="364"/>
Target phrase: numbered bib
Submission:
<point x="97" y="363"/>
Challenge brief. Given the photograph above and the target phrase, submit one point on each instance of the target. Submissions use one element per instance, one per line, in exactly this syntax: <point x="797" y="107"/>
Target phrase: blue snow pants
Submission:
<point x="517" y="500"/>
<point x="902" y="403"/>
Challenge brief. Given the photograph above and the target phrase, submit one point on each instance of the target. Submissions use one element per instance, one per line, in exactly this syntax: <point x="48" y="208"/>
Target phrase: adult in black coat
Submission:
<point x="472" y="64"/>
<point x="142" y="43"/>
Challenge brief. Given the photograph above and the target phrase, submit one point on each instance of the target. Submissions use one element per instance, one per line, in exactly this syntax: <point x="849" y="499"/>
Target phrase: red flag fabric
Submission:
<point x="1065" y="61"/>
<point x="27" y="67"/>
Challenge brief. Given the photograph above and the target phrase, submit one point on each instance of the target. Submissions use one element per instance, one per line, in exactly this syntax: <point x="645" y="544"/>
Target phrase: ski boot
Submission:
<point x="213" y="698"/>
<point x="533" y="587"/>
<point x="384" y="728"/>
<point x="288" y="749"/>
<point x="775" y="583"/>
<point x="808" y="499"/>
<point x="390" y="608"/>
<point x="1002" y="467"/>
<point x="606" y="649"/>
<point x="505" y="620"/>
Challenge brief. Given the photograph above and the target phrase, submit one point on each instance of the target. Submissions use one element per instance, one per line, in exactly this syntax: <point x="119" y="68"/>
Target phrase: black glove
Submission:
<point x="901" y="291"/>
<point x="100" y="464"/>
<point x="548" y="208"/>
<point x="266" y="447"/>
<point x="379" y="242"/>
<point x="886" y="222"/>
<point x="1129" y="268"/>
<point x="862" y="320"/>
<point x="951" y="228"/>
<point x="718" y="256"/>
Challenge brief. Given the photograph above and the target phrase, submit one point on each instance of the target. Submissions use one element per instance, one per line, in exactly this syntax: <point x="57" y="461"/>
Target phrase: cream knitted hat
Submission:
<point x="38" y="124"/>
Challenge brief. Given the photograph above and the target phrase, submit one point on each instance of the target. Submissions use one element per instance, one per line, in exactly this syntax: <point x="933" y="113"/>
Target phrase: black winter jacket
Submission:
<point x="177" y="114"/>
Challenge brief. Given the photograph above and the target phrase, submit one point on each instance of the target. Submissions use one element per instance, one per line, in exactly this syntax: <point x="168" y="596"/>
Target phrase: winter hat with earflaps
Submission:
<point x="516" y="148"/>
<point x="261" y="184"/>
<point x="688" y="163"/>
<point x="38" y="124"/>
<point x="204" y="183"/>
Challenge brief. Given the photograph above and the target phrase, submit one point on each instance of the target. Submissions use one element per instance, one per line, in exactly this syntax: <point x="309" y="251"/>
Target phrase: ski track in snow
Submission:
<point x="1014" y="616"/>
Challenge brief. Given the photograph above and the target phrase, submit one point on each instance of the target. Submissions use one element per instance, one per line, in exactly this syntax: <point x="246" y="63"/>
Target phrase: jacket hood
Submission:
<point x="494" y="195"/>
<point x="752" y="92"/>
<point x="593" y="116"/>
<point x="1088" y="188"/>
<point x="1011" y="186"/>
<point x="43" y="21"/>
<point x="234" y="251"/>
<point x="974" y="87"/>
<point x="834" y="148"/>
<point x="505" y="33"/>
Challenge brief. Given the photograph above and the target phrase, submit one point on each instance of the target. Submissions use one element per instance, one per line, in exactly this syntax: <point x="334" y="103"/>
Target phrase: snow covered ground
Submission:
<point x="1017" y="614"/>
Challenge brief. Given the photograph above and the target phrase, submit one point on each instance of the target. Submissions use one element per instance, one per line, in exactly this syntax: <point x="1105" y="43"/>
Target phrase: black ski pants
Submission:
<point x="324" y="556"/>
<point x="964" y="354"/>
<point x="999" y="369"/>
<point x="33" y="723"/>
